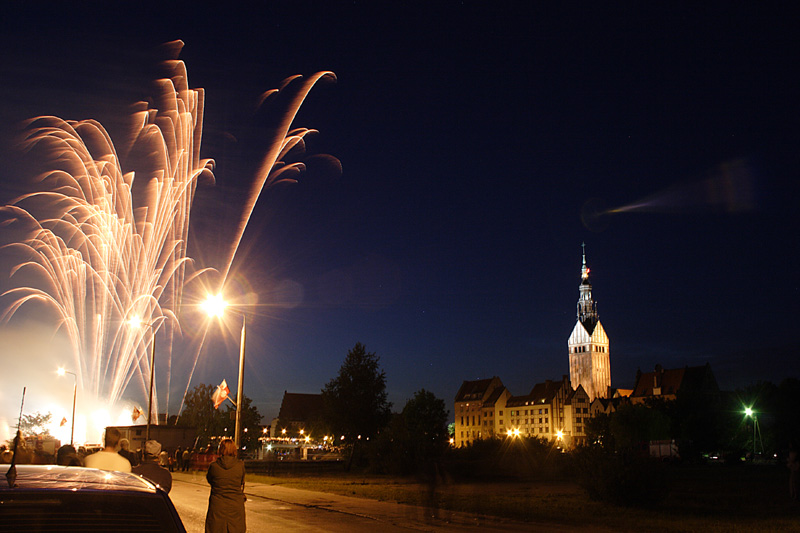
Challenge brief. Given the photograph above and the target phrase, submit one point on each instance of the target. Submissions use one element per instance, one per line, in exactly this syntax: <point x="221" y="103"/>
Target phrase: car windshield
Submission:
<point x="84" y="510"/>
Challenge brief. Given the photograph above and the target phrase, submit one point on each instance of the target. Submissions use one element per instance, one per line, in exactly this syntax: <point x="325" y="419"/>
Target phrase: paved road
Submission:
<point x="274" y="508"/>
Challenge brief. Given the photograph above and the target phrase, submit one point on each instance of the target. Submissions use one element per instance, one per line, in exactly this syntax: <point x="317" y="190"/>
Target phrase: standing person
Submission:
<point x="185" y="457"/>
<point x="150" y="469"/>
<point x="125" y="451"/>
<point x="179" y="459"/>
<point x="226" y="503"/>
<point x="164" y="460"/>
<point x="108" y="458"/>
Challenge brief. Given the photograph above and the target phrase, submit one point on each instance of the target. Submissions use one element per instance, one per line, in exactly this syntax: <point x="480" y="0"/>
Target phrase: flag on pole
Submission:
<point x="63" y="422"/>
<point x="220" y="394"/>
<point x="137" y="412"/>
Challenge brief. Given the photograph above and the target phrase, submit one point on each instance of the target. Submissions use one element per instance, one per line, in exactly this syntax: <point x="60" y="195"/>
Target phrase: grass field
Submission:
<point x="712" y="498"/>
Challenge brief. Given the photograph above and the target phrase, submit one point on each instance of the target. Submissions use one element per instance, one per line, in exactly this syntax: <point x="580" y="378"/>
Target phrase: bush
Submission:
<point x="630" y="480"/>
<point x="507" y="458"/>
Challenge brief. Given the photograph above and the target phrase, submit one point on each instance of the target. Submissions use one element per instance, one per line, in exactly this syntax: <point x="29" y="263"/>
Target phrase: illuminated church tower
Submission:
<point x="588" y="344"/>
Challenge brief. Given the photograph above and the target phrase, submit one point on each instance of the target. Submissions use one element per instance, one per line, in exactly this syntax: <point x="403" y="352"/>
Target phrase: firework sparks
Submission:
<point x="104" y="246"/>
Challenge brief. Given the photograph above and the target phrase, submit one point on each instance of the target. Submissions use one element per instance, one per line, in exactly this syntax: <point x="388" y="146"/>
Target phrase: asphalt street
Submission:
<point x="276" y="508"/>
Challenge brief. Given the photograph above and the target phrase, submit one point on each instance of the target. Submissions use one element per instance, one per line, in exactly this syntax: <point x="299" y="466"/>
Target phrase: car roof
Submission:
<point x="54" y="477"/>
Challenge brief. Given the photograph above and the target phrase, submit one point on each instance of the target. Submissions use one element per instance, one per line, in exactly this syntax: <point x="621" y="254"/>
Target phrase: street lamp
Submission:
<point x="136" y="323"/>
<point x="748" y="411"/>
<point x="215" y="307"/>
<point x="61" y="372"/>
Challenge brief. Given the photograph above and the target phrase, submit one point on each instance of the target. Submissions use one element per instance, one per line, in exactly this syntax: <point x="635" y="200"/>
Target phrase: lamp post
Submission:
<point x="61" y="372"/>
<point x="748" y="411"/>
<point x="136" y="322"/>
<point x="215" y="306"/>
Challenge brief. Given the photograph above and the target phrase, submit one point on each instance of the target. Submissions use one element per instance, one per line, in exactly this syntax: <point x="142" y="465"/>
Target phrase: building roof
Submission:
<point x="476" y="390"/>
<point x="575" y="392"/>
<point x="298" y="407"/>
<point x="516" y="401"/>
<point x="493" y="397"/>
<point x="675" y="380"/>
<point x="545" y="392"/>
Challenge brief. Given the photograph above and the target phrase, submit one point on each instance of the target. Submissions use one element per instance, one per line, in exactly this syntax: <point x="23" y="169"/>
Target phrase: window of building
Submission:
<point x="501" y="413"/>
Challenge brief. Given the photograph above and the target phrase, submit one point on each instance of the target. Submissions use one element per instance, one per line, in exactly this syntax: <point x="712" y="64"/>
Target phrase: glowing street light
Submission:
<point x="215" y="307"/>
<point x="137" y="323"/>
<point x="62" y="372"/>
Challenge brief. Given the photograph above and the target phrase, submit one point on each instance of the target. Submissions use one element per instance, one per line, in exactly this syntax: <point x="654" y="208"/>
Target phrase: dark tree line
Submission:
<point x="356" y="406"/>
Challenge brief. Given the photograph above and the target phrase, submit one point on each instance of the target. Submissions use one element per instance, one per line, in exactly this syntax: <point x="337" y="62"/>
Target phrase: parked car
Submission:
<point x="60" y="498"/>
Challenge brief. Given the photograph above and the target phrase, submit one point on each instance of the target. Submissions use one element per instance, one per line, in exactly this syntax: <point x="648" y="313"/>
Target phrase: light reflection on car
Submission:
<point x="58" y="498"/>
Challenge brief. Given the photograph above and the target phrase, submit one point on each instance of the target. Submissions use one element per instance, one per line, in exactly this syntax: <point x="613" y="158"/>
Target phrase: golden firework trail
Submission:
<point x="100" y="246"/>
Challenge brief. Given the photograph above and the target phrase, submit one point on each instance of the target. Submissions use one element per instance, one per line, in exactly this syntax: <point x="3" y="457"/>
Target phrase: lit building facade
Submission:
<point x="553" y="410"/>
<point x="479" y="410"/>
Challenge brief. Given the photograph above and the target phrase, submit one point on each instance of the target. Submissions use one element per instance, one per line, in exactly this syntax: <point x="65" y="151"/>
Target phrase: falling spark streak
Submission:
<point x="98" y="259"/>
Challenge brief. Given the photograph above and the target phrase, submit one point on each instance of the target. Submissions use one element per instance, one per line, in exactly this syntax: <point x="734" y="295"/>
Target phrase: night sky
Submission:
<point x="480" y="143"/>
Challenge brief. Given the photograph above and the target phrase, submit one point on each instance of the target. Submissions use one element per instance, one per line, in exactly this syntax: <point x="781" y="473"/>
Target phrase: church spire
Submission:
<point x="587" y="308"/>
<point x="584" y="270"/>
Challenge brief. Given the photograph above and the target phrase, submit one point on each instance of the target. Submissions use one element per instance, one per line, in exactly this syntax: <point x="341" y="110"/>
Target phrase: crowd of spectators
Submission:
<point x="153" y="462"/>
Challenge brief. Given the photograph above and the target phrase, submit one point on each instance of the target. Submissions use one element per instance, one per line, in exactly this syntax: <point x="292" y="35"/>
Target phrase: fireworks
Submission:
<point x="98" y="246"/>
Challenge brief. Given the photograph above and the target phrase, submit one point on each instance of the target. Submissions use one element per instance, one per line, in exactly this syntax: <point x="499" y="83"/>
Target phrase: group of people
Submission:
<point x="225" y="475"/>
<point x="116" y="456"/>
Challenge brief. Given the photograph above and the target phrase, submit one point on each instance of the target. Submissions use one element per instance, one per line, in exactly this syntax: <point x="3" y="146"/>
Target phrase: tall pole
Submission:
<point x="240" y="386"/>
<point x="152" y="376"/>
<point x="74" y="398"/>
<point x="61" y="372"/>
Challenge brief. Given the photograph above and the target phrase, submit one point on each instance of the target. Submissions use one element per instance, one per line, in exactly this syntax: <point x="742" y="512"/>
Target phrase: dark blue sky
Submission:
<point x="472" y="138"/>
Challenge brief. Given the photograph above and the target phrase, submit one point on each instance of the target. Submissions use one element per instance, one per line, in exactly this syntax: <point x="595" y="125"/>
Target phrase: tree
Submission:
<point x="199" y="413"/>
<point x="355" y="402"/>
<point x="35" y="424"/>
<point x="425" y="416"/>
<point x="415" y="439"/>
<point x="633" y="426"/>
<point x="251" y="423"/>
